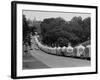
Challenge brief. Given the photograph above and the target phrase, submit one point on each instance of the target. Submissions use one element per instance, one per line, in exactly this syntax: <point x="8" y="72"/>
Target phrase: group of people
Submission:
<point x="79" y="51"/>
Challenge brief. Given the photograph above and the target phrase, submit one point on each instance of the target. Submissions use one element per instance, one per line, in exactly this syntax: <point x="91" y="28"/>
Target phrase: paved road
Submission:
<point x="30" y="62"/>
<point x="54" y="61"/>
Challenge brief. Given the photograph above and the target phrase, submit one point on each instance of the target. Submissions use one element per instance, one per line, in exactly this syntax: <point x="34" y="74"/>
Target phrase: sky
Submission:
<point x="40" y="15"/>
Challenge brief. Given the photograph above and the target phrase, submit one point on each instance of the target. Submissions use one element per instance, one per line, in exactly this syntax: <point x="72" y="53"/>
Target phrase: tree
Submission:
<point x="26" y="31"/>
<point x="61" y="41"/>
<point x="86" y="28"/>
<point x="60" y="32"/>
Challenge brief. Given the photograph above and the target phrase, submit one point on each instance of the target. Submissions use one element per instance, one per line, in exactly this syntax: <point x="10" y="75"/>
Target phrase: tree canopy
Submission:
<point x="60" y="32"/>
<point x="27" y="30"/>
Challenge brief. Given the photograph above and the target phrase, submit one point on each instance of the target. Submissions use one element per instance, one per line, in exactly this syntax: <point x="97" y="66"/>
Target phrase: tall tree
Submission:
<point x="26" y="31"/>
<point x="58" y="31"/>
<point x="87" y="28"/>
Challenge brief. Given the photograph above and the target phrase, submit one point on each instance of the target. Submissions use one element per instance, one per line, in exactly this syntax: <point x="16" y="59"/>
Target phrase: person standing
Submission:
<point x="63" y="50"/>
<point x="69" y="50"/>
<point x="58" y="50"/>
<point x="80" y="50"/>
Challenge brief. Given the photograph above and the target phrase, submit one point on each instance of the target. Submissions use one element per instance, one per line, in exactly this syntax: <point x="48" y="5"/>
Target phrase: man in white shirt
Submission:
<point x="58" y="51"/>
<point x="69" y="50"/>
<point x="80" y="50"/>
<point x="63" y="49"/>
<point x="54" y="50"/>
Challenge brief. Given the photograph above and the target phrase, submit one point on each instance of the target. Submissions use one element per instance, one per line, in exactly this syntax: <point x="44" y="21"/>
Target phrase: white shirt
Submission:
<point x="63" y="49"/>
<point x="58" y="50"/>
<point x="54" y="50"/>
<point x="69" y="49"/>
<point x="80" y="50"/>
<point x="51" y="50"/>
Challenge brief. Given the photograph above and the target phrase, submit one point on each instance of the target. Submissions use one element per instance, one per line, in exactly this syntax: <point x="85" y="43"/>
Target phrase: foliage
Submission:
<point x="59" y="32"/>
<point x="27" y="30"/>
